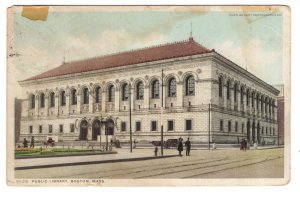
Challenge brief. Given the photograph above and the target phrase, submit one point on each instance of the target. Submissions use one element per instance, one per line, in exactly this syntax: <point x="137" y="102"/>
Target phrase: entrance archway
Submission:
<point x="253" y="132"/>
<point x="96" y="129"/>
<point x="110" y="127"/>
<point x="83" y="130"/>
<point x="258" y="133"/>
<point x="248" y="131"/>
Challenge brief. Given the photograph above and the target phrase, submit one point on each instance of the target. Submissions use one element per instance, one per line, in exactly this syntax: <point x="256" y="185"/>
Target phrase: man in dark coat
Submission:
<point x="32" y="142"/>
<point x="180" y="146"/>
<point x="25" y="143"/>
<point x="188" y="147"/>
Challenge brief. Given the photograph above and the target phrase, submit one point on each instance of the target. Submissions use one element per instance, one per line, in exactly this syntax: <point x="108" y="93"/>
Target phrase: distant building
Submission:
<point x="84" y="100"/>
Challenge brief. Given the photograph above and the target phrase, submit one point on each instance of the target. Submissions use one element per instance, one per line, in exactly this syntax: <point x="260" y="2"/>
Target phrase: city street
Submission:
<point x="230" y="163"/>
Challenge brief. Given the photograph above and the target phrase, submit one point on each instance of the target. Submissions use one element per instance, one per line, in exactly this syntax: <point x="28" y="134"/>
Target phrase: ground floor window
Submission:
<point x="153" y="125"/>
<point x="138" y="126"/>
<point x="30" y="129"/>
<point x="170" y="125"/>
<point x="236" y="126"/>
<point x="221" y="125"/>
<point x="61" y="128"/>
<point x="123" y="126"/>
<point x="229" y="125"/>
<point x="242" y="127"/>
<point x="50" y="128"/>
<point x="72" y="127"/>
<point x="188" y="125"/>
<point x="40" y="129"/>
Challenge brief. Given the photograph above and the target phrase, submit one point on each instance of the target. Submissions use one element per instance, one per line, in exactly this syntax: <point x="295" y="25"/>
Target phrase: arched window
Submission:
<point x="85" y="96"/>
<point x="220" y="87"/>
<point x="97" y="94"/>
<point x="228" y="89"/>
<point x="42" y="99"/>
<point x="140" y="91"/>
<point x="73" y="97"/>
<point x="63" y="98"/>
<point x="111" y="93"/>
<point x="52" y="99"/>
<point x="247" y="97"/>
<point x="252" y="99"/>
<point x="235" y="93"/>
<point x="125" y="92"/>
<point x="242" y="95"/>
<point x="155" y="89"/>
<point x="190" y="86"/>
<point x="172" y="87"/>
<point x="32" y="101"/>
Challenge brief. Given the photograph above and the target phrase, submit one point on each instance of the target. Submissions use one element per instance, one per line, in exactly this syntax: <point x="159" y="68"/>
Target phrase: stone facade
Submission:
<point x="195" y="110"/>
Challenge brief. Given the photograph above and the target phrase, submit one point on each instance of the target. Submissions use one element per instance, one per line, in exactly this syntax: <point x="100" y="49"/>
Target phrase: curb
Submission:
<point x="66" y="155"/>
<point x="91" y="162"/>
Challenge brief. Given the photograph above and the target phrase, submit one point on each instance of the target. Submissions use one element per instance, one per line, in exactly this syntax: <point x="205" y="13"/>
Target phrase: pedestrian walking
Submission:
<point x="245" y="145"/>
<point x="32" y="142"/>
<point x="188" y="147"/>
<point x="155" y="151"/>
<point x="242" y="145"/>
<point x="25" y="143"/>
<point x="180" y="146"/>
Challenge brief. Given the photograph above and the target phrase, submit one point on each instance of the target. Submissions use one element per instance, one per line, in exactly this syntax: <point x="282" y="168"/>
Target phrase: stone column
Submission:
<point x="238" y="101"/>
<point x="232" y="98"/>
<point x="250" y="131"/>
<point x="103" y="101"/>
<point x="275" y="111"/>
<point x="146" y="96"/>
<point x="179" y="94"/>
<point x="47" y="105"/>
<point x="79" y="95"/>
<point x="37" y="105"/>
<point x="254" y="103"/>
<point x="91" y="102"/>
<point x="67" y="103"/>
<point x="225" y="96"/>
<point x="56" y="103"/>
<point x="117" y="100"/>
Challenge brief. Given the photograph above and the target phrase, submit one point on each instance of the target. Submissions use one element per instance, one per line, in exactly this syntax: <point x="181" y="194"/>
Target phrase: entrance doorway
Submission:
<point x="96" y="130"/>
<point x="258" y="133"/>
<point x="110" y="127"/>
<point x="83" y="130"/>
<point x="248" y="131"/>
<point x="253" y="132"/>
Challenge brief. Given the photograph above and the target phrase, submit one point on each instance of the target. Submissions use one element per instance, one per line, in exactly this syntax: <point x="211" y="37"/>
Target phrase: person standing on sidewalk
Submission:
<point x="32" y="142"/>
<point x="155" y="151"/>
<point x="180" y="146"/>
<point x="188" y="147"/>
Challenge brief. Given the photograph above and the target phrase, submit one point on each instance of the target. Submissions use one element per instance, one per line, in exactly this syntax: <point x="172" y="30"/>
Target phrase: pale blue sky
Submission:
<point x="43" y="45"/>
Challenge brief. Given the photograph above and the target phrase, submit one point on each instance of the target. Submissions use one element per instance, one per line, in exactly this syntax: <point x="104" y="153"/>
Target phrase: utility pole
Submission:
<point x="130" y="130"/>
<point x="161" y="115"/>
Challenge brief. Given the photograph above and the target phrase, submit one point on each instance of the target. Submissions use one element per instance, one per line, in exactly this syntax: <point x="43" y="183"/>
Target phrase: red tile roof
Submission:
<point x="160" y="52"/>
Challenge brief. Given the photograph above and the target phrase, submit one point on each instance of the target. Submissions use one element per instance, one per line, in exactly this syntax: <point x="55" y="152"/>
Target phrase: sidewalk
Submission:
<point x="122" y="156"/>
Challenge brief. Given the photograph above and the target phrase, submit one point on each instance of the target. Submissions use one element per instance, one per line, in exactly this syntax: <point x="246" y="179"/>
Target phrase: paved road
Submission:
<point x="201" y="164"/>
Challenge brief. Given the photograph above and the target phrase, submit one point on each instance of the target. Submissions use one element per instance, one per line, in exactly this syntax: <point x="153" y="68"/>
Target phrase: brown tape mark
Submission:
<point x="35" y="13"/>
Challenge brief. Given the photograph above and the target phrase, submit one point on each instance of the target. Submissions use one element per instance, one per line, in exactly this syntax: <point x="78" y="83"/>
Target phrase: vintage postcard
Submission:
<point x="148" y="95"/>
